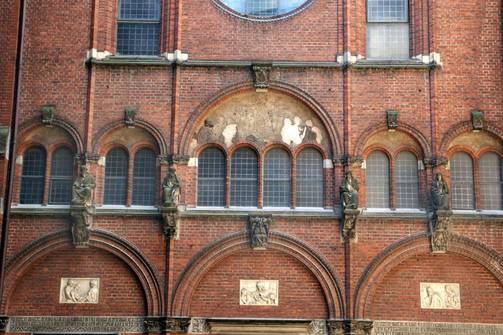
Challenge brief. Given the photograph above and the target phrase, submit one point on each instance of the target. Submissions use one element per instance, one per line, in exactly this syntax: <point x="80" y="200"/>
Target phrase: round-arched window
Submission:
<point x="263" y="9"/>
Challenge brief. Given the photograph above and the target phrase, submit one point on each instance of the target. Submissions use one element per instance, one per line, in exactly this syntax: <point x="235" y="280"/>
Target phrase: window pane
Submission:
<point x="406" y="181"/>
<point x="265" y="8"/>
<point x="140" y="9"/>
<point x="491" y="181"/>
<point x="387" y="11"/>
<point x="244" y="178"/>
<point x="388" y="40"/>
<point x="138" y="38"/>
<point x="144" y="178"/>
<point x="32" y="178"/>
<point x="62" y="172"/>
<point x="116" y="177"/>
<point x="211" y="178"/>
<point x="462" y="181"/>
<point x="277" y="179"/>
<point x="310" y="179"/>
<point x="377" y="180"/>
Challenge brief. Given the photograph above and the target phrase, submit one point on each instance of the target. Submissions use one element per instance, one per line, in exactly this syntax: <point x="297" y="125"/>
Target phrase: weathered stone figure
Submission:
<point x="258" y="227"/>
<point x="171" y="189"/>
<point x="82" y="190"/>
<point x="349" y="191"/>
<point x="440" y="193"/>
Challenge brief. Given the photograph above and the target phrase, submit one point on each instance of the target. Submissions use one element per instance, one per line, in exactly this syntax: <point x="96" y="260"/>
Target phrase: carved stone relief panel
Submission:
<point x="79" y="291"/>
<point x="440" y="296"/>
<point x="258" y="292"/>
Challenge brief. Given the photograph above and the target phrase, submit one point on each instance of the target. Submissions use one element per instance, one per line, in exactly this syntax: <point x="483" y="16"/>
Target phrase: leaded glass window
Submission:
<point x="406" y="181"/>
<point x="387" y="29"/>
<point x="263" y="8"/>
<point x="32" y="178"/>
<point x="491" y="181"/>
<point x="144" y="177"/>
<point x="62" y="172"/>
<point x="244" y="178"/>
<point x="462" y="181"/>
<point x="377" y="180"/>
<point x="277" y="178"/>
<point x="116" y="174"/>
<point x="310" y="178"/>
<point x="139" y="27"/>
<point x="211" y="178"/>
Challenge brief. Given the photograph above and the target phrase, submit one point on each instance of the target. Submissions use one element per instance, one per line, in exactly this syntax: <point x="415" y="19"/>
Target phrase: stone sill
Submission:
<point x="392" y="64"/>
<point x="132" y="60"/>
<point x="246" y="211"/>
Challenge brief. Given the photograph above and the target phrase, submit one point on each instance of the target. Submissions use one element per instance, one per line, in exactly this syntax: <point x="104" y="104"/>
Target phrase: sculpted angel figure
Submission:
<point x="171" y="189"/>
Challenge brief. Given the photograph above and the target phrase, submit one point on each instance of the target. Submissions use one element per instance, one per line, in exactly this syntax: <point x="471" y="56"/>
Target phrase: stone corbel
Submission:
<point x="258" y="230"/>
<point x="436" y="161"/>
<point x="350" y="327"/>
<point x="4" y="323"/>
<point x="440" y="226"/>
<point x="349" y="161"/>
<point x="160" y="324"/>
<point x="477" y="120"/>
<point x="130" y="116"/>
<point x="349" y="222"/>
<point x="392" y="120"/>
<point x="82" y="220"/>
<point x="48" y="113"/>
<point x="170" y="222"/>
<point x="261" y="76"/>
<point x="171" y="159"/>
<point x="199" y="326"/>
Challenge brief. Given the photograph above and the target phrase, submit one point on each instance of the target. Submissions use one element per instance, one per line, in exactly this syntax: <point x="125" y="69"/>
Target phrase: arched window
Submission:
<point x="491" y="181"/>
<point x="387" y="29"/>
<point x="244" y="178"/>
<point x="377" y="180"/>
<point x="406" y="181"/>
<point x="277" y="178"/>
<point x="144" y="178"/>
<point x="116" y="174"/>
<point x="139" y="27"/>
<point x="211" y="178"/>
<point x="62" y="172"/>
<point x="310" y="178"/>
<point x="32" y="178"/>
<point x="462" y="181"/>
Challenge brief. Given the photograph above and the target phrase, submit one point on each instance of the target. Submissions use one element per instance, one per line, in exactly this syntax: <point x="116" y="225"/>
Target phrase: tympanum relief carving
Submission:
<point x="258" y="292"/>
<point x="440" y="296"/>
<point x="79" y="291"/>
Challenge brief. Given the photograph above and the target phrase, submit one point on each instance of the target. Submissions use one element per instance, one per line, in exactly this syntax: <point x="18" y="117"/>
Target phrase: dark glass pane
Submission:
<point x="211" y="178"/>
<point x="277" y="179"/>
<point x="144" y="178"/>
<point x="140" y="9"/>
<point x="310" y="192"/>
<point x="491" y="195"/>
<point x="62" y="172"/>
<point x="377" y="180"/>
<point x="462" y="181"/>
<point x="116" y="177"/>
<point x="138" y="38"/>
<point x="406" y="181"/>
<point x="244" y="178"/>
<point x="32" y="178"/>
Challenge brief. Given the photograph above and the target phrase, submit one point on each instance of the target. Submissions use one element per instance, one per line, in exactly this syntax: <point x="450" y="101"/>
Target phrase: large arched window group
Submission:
<point x="247" y="179"/>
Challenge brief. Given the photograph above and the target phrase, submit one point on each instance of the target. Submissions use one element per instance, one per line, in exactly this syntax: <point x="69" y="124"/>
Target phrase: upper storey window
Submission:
<point x="387" y="29"/>
<point x="263" y="8"/>
<point x="139" y="27"/>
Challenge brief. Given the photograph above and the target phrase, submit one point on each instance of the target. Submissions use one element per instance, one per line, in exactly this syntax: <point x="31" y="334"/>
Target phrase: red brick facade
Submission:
<point x="144" y="273"/>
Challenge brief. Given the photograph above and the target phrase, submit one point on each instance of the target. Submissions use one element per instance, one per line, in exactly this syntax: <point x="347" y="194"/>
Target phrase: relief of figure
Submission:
<point x="260" y="296"/>
<point x="82" y="190"/>
<point x="259" y="231"/>
<point x="440" y="193"/>
<point x="171" y="189"/>
<point x="451" y="297"/>
<point x="92" y="294"/>
<point x="432" y="299"/>
<point x="293" y="132"/>
<point x="71" y="291"/>
<point x="349" y="191"/>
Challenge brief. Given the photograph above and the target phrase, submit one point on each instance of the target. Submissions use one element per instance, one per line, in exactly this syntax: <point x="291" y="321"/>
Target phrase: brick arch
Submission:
<point x="20" y="263"/>
<point x="310" y="102"/>
<point x="67" y="127"/>
<point x="191" y="277"/>
<point x="144" y="125"/>
<point x="412" y="246"/>
<point x="464" y="127"/>
<point x="417" y="135"/>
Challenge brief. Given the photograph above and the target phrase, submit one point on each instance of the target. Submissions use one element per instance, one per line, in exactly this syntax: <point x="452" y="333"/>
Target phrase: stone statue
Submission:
<point x="171" y="189"/>
<point x="82" y="190"/>
<point x="349" y="192"/>
<point x="258" y="228"/>
<point x="440" y="193"/>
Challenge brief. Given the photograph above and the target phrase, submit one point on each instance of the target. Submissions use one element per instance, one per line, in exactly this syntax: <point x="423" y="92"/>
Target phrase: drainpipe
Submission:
<point x="12" y="144"/>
